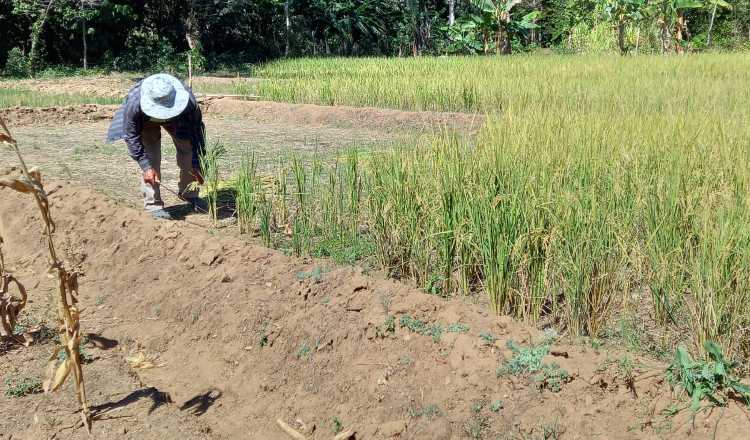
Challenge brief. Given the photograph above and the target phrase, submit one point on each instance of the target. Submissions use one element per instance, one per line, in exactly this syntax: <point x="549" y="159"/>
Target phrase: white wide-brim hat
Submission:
<point x="163" y="96"/>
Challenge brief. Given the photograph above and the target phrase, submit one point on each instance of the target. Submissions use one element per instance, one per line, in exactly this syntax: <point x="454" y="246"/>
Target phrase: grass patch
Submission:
<point x="22" y="386"/>
<point x="527" y="361"/>
<point x="12" y="97"/>
<point x="435" y="331"/>
<point x="429" y="411"/>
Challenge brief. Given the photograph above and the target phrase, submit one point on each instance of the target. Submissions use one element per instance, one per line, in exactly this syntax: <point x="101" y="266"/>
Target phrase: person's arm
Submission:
<point x="133" y="124"/>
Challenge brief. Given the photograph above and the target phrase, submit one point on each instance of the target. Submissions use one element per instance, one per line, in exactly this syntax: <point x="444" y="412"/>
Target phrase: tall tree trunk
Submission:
<point x="36" y="34"/>
<point x="711" y="25"/>
<point x="451" y="12"/>
<point x="288" y="23"/>
<point x="666" y="36"/>
<point x="85" y="45"/>
<point x="621" y="37"/>
<point x="679" y="33"/>
<point x="637" y="39"/>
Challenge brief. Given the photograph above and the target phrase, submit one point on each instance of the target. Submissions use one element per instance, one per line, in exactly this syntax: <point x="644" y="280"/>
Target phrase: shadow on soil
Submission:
<point x="101" y="342"/>
<point x="158" y="398"/>
<point x="199" y="404"/>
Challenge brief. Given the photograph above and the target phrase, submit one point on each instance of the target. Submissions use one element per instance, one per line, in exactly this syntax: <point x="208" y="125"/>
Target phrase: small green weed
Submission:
<point x="263" y="334"/>
<point x="487" y="338"/>
<point x="496" y="406"/>
<point x="524" y="360"/>
<point x="475" y="427"/>
<point x="326" y="300"/>
<point x="551" y="377"/>
<point x="406" y="361"/>
<point x="528" y="360"/>
<point x="435" y="285"/>
<point x="99" y="300"/>
<point x="711" y="380"/>
<point x="429" y="411"/>
<point x="420" y="327"/>
<point x="304" y="351"/>
<point x="22" y="387"/>
<point x="338" y="426"/>
<point x="389" y="326"/>
<point x="435" y="331"/>
<point x="457" y="328"/>
<point x="316" y="274"/>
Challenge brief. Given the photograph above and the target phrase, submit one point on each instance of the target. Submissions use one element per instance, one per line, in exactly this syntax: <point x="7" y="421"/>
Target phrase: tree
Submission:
<point x="670" y="15"/>
<point x="496" y="20"/>
<point x="715" y="4"/>
<point x="622" y="13"/>
<point x="38" y="11"/>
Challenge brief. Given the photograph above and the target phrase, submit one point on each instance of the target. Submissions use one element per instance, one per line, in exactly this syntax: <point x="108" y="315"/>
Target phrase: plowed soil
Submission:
<point x="265" y="112"/>
<point x="241" y="336"/>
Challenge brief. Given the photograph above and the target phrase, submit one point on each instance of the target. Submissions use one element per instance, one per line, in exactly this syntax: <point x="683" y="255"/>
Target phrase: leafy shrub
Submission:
<point x="711" y="380"/>
<point x="17" y="64"/>
<point x="524" y="360"/>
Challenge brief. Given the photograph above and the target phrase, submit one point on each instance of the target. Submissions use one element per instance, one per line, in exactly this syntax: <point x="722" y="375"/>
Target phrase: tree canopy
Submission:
<point x="148" y="34"/>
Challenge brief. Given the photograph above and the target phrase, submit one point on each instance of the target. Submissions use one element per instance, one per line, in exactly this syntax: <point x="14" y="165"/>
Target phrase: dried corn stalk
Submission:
<point x="30" y="182"/>
<point x="10" y="306"/>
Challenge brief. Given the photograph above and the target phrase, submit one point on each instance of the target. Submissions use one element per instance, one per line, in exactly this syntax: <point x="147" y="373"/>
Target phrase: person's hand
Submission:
<point x="151" y="177"/>
<point x="198" y="176"/>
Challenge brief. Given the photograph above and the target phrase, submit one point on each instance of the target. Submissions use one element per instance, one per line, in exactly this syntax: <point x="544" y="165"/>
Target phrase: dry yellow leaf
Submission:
<point x="142" y="362"/>
<point x="53" y="384"/>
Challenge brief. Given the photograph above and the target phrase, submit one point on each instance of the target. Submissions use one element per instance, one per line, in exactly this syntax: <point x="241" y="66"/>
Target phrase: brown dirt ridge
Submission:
<point x="241" y="336"/>
<point x="263" y="112"/>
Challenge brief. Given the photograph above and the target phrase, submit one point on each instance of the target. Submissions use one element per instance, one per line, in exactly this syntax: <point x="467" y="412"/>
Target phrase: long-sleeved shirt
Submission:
<point x="128" y="123"/>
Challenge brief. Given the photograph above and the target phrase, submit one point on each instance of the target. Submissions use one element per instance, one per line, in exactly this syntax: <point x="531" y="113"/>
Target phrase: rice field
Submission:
<point x="600" y="189"/>
<point x="491" y="84"/>
<point x="13" y="97"/>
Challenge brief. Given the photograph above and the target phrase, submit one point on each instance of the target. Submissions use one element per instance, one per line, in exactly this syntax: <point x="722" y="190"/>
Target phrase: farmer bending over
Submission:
<point x="162" y="101"/>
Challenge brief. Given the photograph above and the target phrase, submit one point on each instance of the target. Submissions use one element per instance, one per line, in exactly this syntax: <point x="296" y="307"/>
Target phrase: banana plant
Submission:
<point x="622" y="13"/>
<point x="670" y="15"/>
<point x="463" y="37"/>
<point x="496" y="20"/>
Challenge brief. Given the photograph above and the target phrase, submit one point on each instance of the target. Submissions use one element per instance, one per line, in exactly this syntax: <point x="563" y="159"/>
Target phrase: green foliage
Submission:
<point x="713" y="380"/>
<point x="435" y="331"/>
<point x="17" y="64"/>
<point x="316" y="274"/>
<point x="304" y="351"/>
<point x="209" y="163"/>
<point x="525" y="359"/>
<point x="389" y="326"/>
<point x="246" y="190"/>
<point x="496" y="406"/>
<point x="22" y="387"/>
<point x="338" y="425"/>
<point x="429" y="411"/>
<point x="263" y="335"/>
<point x="12" y="97"/>
<point x="457" y="328"/>
<point x="487" y="337"/>
<point x="550" y="377"/>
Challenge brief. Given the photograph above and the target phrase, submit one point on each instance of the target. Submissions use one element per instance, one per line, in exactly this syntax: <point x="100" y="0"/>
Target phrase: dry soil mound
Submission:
<point x="247" y="335"/>
<point x="263" y="112"/>
<point x="15" y="116"/>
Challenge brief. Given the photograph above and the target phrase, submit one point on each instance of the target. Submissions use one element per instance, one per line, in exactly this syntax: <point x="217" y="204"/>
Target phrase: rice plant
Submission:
<point x="15" y="97"/>
<point x="246" y="189"/>
<point x="619" y="187"/>
<point x="209" y="162"/>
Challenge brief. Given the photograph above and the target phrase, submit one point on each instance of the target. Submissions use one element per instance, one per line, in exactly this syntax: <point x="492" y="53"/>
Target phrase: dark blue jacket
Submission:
<point x="128" y="123"/>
